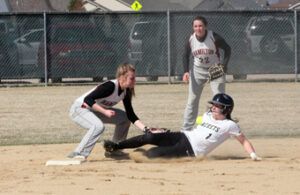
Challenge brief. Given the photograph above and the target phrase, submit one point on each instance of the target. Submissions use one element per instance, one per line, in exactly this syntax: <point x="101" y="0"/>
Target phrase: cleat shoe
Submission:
<point x="110" y="146"/>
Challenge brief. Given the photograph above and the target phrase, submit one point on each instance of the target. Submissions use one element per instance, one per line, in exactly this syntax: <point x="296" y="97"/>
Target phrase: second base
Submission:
<point x="63" y="162"/>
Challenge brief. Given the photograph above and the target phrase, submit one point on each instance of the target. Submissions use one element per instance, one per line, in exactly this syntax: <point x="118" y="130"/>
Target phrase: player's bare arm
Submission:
<point x="248" y="147"/>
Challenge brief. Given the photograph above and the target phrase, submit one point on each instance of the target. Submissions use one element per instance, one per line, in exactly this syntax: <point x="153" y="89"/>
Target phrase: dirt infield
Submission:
<point x="228" y="170"/>
<point x="40" y="115"/>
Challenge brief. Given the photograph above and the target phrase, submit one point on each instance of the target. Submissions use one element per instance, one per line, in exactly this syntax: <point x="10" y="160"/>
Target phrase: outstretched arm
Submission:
<point x="248" y="147"/>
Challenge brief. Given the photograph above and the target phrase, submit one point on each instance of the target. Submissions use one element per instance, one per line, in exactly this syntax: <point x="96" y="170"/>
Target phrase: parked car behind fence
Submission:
<point x="77" y="50"/>
<point x="270" y="36"/>
<point x="28" y="45"/>
<point x="8" y="52"/>
<point x="148" y="48"/>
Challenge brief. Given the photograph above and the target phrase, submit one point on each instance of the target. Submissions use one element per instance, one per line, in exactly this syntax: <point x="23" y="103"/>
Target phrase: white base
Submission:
<point x="64" y="162"/>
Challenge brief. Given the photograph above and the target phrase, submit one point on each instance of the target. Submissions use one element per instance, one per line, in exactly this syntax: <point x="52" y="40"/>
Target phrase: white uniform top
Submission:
<point x="205" y="53"/>
<point x="109" y="101"/>
<point x="211" y="133"/>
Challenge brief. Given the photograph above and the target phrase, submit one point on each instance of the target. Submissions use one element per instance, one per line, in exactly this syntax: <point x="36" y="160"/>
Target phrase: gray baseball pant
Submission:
<point x="94" y="123"/>
<point x="196" y="84"/>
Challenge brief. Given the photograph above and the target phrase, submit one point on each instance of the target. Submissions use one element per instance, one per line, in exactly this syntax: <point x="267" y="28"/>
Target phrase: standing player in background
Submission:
<point x="205" y="47"/>
<point x="216" y="127"/>
<point x="95" y="107"/>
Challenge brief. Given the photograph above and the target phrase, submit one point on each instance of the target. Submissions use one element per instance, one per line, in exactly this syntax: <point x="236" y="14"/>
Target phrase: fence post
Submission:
<point x="296" y="47"/>
<point x="45" y="50"/>
<point x="169" y="47"/>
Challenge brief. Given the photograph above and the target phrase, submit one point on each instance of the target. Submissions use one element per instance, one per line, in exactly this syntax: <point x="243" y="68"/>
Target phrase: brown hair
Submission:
<point x="122" y="70"/>
<point x="201" y="18"/>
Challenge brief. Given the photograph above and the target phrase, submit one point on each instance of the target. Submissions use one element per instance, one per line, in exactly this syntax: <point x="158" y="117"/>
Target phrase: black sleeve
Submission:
<point x="221" y="43"/>
<point x="186" y="56"/>
<point x="128" y="107"/>
<point x="102" y="91"/>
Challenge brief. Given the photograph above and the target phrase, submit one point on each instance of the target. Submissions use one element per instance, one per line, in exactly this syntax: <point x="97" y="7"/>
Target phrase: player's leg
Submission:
<point x="196" y="86"/>
<point x="88" y="120"/>
<point x="133" y="142"/>
<point x="159" y="139"/>
<point x="122" y="124"/>
<point x="218" y="85"/>
<point x="181" y="148"/>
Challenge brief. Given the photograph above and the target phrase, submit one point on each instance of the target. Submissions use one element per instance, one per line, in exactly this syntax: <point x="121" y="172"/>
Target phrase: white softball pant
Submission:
<point x="94" y="123"/>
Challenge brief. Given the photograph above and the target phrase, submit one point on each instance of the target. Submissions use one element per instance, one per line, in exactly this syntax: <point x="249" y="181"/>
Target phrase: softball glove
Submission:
<point x="215" y="71"/>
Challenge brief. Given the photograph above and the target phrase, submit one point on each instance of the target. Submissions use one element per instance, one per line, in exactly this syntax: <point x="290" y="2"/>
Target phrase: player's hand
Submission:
<point x="109" y="113"/>
<point x="186" y="77"/>
<point x="159" y="130"/>
<point x="156" y="130"/>
<point x="254" y="157"/>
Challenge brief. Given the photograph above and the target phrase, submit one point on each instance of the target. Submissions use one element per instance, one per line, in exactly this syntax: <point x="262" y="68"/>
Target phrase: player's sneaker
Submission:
<point x="76" y="155"/>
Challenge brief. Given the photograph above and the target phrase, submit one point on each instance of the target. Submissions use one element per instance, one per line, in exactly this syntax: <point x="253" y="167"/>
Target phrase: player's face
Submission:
<point x="199" y="28"/>
<point x="216" y="109"/>
<point x="129" y="79"/>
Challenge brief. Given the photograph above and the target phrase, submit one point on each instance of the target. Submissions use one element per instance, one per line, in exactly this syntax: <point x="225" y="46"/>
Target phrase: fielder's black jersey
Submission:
<point x="105" y="91"/>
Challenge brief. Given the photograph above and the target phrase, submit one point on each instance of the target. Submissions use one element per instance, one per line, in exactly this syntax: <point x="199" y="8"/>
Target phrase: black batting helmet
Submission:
<point x="225" y="101"/>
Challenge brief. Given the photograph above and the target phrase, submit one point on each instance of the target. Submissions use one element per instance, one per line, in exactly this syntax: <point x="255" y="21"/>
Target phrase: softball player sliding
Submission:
<point x="94" y="108"/>
<point x="205" y="47"/>
<point x="216" y="127"/>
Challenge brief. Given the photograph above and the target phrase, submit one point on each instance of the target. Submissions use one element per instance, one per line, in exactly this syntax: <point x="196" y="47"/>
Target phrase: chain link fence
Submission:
<point x="57" y="46"/>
